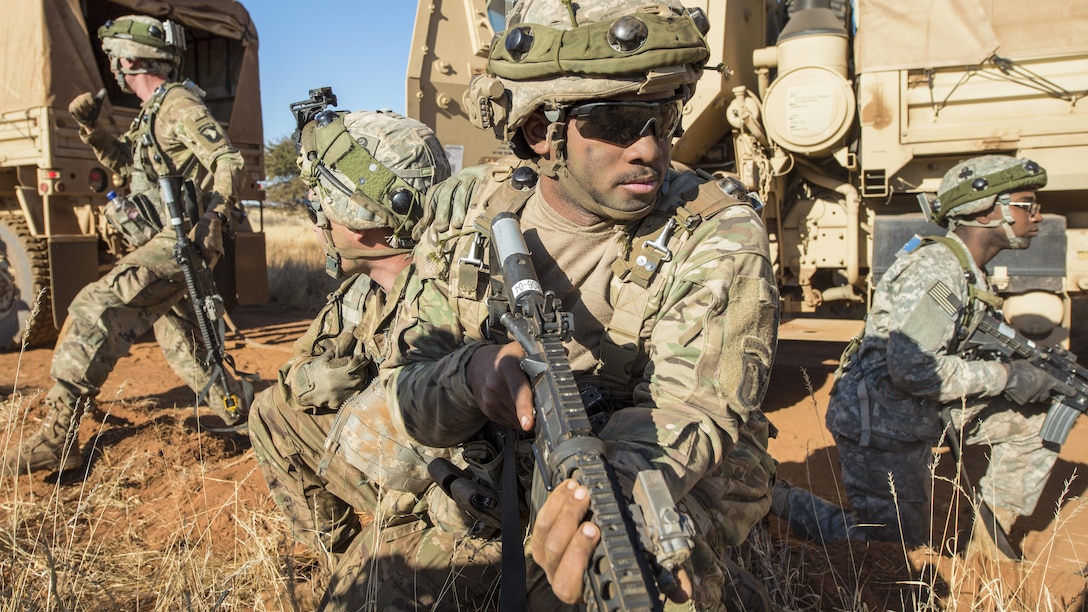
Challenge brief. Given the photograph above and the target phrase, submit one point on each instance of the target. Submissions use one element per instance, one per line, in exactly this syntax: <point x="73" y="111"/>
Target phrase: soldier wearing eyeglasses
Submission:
<point x="669" y="282"/>
<point x="910" y="363"/>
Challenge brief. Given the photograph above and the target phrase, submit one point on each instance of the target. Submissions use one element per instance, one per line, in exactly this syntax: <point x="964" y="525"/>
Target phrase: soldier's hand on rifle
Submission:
<point x="207" y="235"/>
<point x="1027" y="384"/>
<point x="326" y="382"/>
<point x="499" y="385"/>
<point x="85" y="108"/>
<point x="563" y="544"/>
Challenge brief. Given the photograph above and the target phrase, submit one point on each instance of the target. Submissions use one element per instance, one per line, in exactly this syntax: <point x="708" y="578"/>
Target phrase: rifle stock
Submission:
<point x="641" y="543"/>
<point x="207" y="303"/>
<point x="993" y="337"/>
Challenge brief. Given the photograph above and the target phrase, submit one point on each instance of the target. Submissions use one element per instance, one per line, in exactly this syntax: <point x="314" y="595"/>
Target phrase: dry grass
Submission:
<point x="87" y="545"/>
<point x="144" y="530"/>
<point x="296" y="261"/>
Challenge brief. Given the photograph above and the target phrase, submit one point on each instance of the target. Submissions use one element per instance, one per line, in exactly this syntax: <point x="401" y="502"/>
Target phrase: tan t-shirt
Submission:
<point x="577" y="266"/>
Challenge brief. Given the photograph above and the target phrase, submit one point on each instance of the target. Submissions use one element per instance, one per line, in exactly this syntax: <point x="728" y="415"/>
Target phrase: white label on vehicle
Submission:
<point x="808" y="109"/>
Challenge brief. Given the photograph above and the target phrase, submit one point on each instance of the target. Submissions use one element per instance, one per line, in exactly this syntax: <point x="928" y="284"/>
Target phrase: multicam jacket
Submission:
<point x="183" y="138"/>
<point x="906" y="367"/>
<point x="707" y="336"/>
<point x="353" y="326"/>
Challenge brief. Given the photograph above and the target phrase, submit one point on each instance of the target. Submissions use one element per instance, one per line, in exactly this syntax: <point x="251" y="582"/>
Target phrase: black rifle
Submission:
<point x="207" y="303"/>
<point x="642" y="543"/>
<point x="995" y="339"/>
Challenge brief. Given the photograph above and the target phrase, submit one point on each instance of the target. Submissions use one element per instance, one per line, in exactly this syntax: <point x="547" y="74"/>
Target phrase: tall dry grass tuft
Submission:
<point x="296" y="261"/>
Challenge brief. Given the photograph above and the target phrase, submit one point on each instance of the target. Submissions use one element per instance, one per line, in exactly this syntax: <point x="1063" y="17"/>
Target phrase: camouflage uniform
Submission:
<point x="146" y="289"/>
<point x="174" y="134"/>
<point x="687" y="408"/>
<point x="322" y="435"/>
<point x="679" y="346"/>
<point x="289" y="428"/>
<point x="885" y="408"/>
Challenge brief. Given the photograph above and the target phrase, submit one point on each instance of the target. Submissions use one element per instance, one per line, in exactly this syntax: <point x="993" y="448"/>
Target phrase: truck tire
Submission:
<point x="24" y="287"/>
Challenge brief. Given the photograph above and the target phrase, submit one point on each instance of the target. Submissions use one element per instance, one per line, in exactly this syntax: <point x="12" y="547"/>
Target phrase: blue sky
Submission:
<point x="357" y="47"/>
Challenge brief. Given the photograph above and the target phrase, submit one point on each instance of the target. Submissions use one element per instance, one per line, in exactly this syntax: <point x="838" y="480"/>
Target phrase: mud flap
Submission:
<point x="250" y="268"/>
<point x="73" y="263"/>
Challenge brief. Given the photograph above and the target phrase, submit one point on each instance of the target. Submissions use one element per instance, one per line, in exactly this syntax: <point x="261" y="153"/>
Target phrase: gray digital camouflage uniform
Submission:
<point x="707" y="329"/>
<point x="884" y="412"/>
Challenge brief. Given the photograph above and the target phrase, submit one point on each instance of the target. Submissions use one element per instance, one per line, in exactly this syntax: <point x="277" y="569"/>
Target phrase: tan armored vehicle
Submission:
<point x="839" y="114"/>
<point x="53" y="237"/>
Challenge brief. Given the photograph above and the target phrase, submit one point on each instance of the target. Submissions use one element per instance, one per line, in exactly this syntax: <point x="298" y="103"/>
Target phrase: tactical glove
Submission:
<point x="1028" y="384"/>
<point x="207" y="235"/>
<point x="448" y="202"/>
<point x="85" y="108"/>
<point x="325" y="382"/>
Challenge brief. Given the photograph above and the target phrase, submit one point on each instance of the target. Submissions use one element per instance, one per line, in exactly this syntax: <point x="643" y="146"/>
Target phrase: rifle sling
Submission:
<point x="513" y="591"/>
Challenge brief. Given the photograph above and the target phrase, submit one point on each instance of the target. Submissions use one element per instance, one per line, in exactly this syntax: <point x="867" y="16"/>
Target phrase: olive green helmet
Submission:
<point x="139" y="37"/>
<point x="371" y="169"/>
<point x="555" y="53"/>
<point x="973" y="185"/>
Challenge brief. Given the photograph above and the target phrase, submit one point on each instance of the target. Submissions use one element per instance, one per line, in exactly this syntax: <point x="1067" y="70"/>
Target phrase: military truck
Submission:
<point x="839" y="114"/>
<point x="53" y="236"/>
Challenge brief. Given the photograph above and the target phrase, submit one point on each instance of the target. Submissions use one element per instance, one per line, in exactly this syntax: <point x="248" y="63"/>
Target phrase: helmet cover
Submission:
<point x="385" y="160"/>
<point x="973" y="185"/>
<point x="142" y="37"/>
<point x="555" y="53"/>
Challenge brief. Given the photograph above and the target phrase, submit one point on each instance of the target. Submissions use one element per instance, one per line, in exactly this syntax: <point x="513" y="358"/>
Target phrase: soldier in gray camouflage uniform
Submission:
<point x="885" y="408"/>
<point x="678" y="340"/>
<point x="173" y="134"/>
<point x="325" y="457"/>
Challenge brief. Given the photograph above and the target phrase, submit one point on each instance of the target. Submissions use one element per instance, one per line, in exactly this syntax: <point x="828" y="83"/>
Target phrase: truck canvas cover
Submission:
<point x="46" y="59"/>
<point x="896" y="35"/>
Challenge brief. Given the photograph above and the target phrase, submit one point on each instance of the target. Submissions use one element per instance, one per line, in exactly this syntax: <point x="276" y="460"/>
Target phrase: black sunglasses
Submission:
<point x="624" y="122"/>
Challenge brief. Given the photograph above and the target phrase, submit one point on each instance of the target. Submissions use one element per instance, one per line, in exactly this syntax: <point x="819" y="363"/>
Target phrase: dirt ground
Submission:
<point x="1054" y="539"/>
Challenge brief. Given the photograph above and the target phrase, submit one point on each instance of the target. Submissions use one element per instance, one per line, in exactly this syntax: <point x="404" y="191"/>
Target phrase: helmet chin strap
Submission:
<point x="557" y="169"/>
<point x="335" y="256"/>
<point x="1005" y="222"/>
<point x="119" y="71"/>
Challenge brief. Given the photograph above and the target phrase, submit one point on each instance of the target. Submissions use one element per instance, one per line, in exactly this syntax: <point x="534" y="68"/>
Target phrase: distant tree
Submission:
<point x="282" y="185"/>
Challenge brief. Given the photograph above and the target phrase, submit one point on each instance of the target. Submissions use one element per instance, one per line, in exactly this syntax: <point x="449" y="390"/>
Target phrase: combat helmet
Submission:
<point x="974" y="185"/>
<point x="369" y="169"/>
<point x="139" y="37"/>
<point x="554" y="53"/>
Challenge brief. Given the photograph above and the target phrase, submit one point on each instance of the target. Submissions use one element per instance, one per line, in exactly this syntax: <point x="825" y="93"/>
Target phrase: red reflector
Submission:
<point x="52" y="174"/>
<point x="96" y="180"/>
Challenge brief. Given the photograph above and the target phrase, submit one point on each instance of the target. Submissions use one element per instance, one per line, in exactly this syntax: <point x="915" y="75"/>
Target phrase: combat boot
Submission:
<point x="55" y="446"/>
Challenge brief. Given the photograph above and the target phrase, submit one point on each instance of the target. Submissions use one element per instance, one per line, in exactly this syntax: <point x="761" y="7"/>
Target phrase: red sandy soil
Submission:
<point x="855" y="576"/>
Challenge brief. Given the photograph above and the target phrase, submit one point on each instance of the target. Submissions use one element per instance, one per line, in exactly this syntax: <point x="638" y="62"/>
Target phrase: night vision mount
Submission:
<point x="305" y="110"/>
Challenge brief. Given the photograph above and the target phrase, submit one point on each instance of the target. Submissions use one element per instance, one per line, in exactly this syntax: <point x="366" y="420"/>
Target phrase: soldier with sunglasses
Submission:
<point x="669" y="282"/>
<point x="912" y="363"/>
